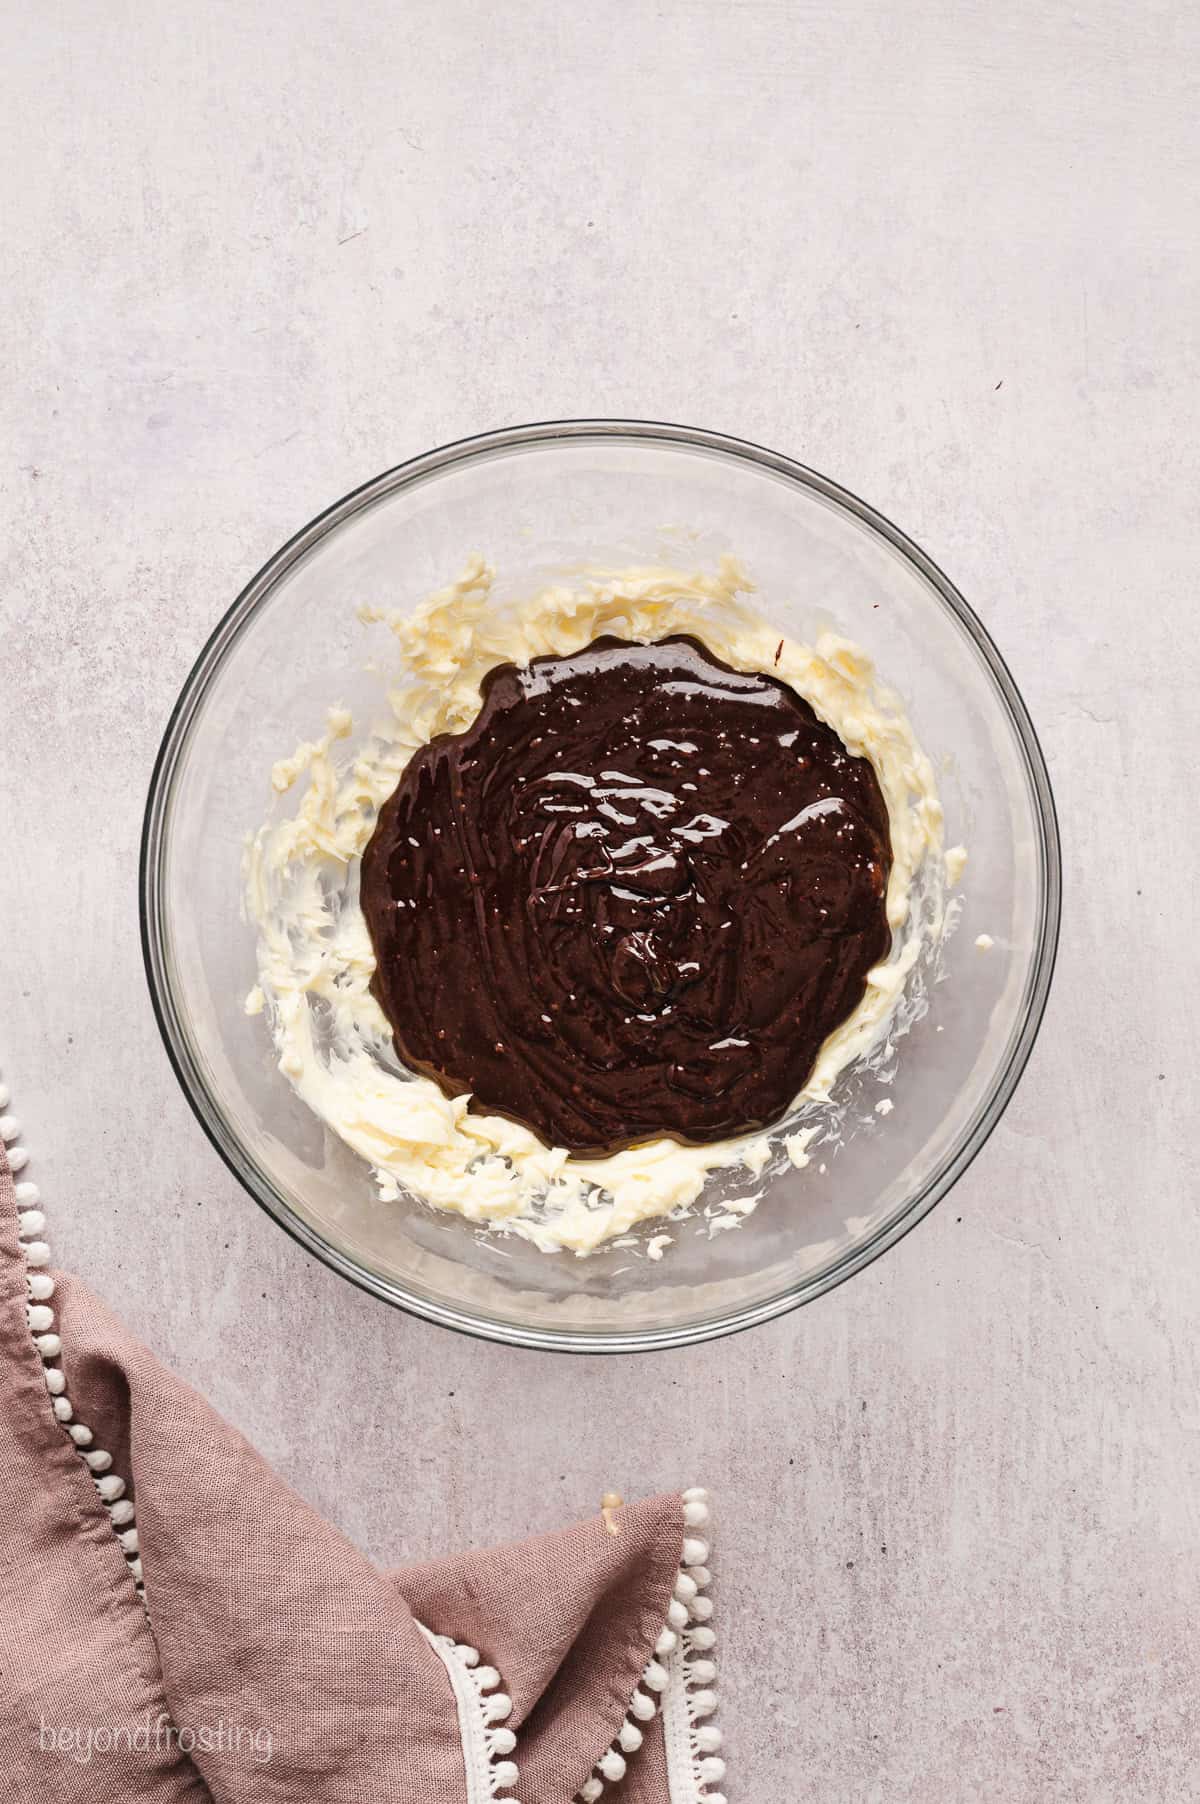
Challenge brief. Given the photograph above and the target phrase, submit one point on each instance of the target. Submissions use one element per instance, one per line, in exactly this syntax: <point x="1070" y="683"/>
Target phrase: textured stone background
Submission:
<point x="945" y="252"/>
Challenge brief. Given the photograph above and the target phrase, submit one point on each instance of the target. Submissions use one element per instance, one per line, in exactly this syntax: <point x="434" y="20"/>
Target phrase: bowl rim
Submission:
<point x="172" y="1025"/>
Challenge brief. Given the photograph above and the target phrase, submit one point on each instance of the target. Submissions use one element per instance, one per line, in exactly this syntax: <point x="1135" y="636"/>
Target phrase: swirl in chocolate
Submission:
<point x="632" y="899"/>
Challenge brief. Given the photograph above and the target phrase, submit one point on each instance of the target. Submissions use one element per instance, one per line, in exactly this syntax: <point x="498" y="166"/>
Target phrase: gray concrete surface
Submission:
<point x="946" y="252"/>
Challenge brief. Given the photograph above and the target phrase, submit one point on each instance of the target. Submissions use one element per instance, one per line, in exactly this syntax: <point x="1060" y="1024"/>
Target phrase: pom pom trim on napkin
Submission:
<point x="31" y="1229"/>
<point x="481" y="1705"/>
<point x="677" y="1680"/>
<point x="680" y="1677"/>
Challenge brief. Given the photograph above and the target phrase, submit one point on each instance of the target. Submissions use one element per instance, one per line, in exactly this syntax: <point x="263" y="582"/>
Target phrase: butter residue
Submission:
<point x="315" y="959"/>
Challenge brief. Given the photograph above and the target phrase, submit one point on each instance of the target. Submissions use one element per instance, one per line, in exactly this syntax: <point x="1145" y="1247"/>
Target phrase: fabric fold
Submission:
<point x="582" y="1610"/>
<point x="182" y="1626"/>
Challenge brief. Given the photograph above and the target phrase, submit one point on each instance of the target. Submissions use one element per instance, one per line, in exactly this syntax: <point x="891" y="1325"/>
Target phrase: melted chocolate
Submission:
<point x="632" y="899"/>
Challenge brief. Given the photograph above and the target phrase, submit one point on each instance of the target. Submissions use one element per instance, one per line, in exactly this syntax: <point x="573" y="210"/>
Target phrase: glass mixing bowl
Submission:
<point x="534" y="499"/>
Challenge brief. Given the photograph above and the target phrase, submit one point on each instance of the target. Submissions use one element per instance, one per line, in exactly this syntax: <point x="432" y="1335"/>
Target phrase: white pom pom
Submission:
<point x="590" y="1790"/>
<point x="41" y="1286"/>
<point x="121" y="1513"/>
<point x="641" y="1706"/>
<point x="30" y="1222"/>
<point x="497" y="1706"/>
<point x="629" y="1738"/>
<point x="712" y="1769"/>
<point x="62" y="1409"/>
<point x="685" y="1588"/>
<point x="487" y="1678"/>
<point x="696" y="1494"/>
<point x="81" y="1436"/>
<point x="703" y="1671"/>
<point x="666" y="1644"/>
<point x="10" y="1128"/>
<point x="677" y="1614"/>
<point x="695" y="1552"/>
<point x="700" y="1576"/>
<point x="135" y="1566"/>
<point x="111" y="1488"/>
<point x="468" y="1655"/>
<point x="98" y="1461"/>
<point x="5" y="1096"/>
<point x="505" y="1774"/>
<point x="702" y="1609"/>
<point x="28" y="1195"/>
<point x="41" y="1319"/>
<point x="612" y="1765"/>
<point x="704" y="1639"/>
<point x="655" y="1677"/>
<point x="56" y="1384"/>
<point x="36" y="1252"/>
<point x="703" y="1703"/>
<point x="18" y="1158"/>
<point x="715" y="1797"/>
<point x="708" y="1738"/>
<point x="501" y="1741"/>
<point x="129" y="1541"/>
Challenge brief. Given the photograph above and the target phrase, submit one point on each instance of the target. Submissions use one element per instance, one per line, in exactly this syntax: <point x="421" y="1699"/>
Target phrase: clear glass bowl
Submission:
<point x="533" y="499"/>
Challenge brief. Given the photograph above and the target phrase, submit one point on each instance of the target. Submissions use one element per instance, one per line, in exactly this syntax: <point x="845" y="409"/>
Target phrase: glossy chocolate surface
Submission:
<point x="632" y="899"/>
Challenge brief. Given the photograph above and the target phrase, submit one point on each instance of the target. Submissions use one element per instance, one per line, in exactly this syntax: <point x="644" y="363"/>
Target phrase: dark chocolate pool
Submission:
<point x="632" y="899"/>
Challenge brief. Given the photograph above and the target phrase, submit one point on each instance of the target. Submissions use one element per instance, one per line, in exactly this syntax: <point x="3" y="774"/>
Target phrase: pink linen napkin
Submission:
<point x="176" y="1624"/>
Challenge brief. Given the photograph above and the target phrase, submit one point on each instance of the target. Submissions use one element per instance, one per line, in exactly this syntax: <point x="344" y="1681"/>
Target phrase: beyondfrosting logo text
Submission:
<point x="84" y="1742"/>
